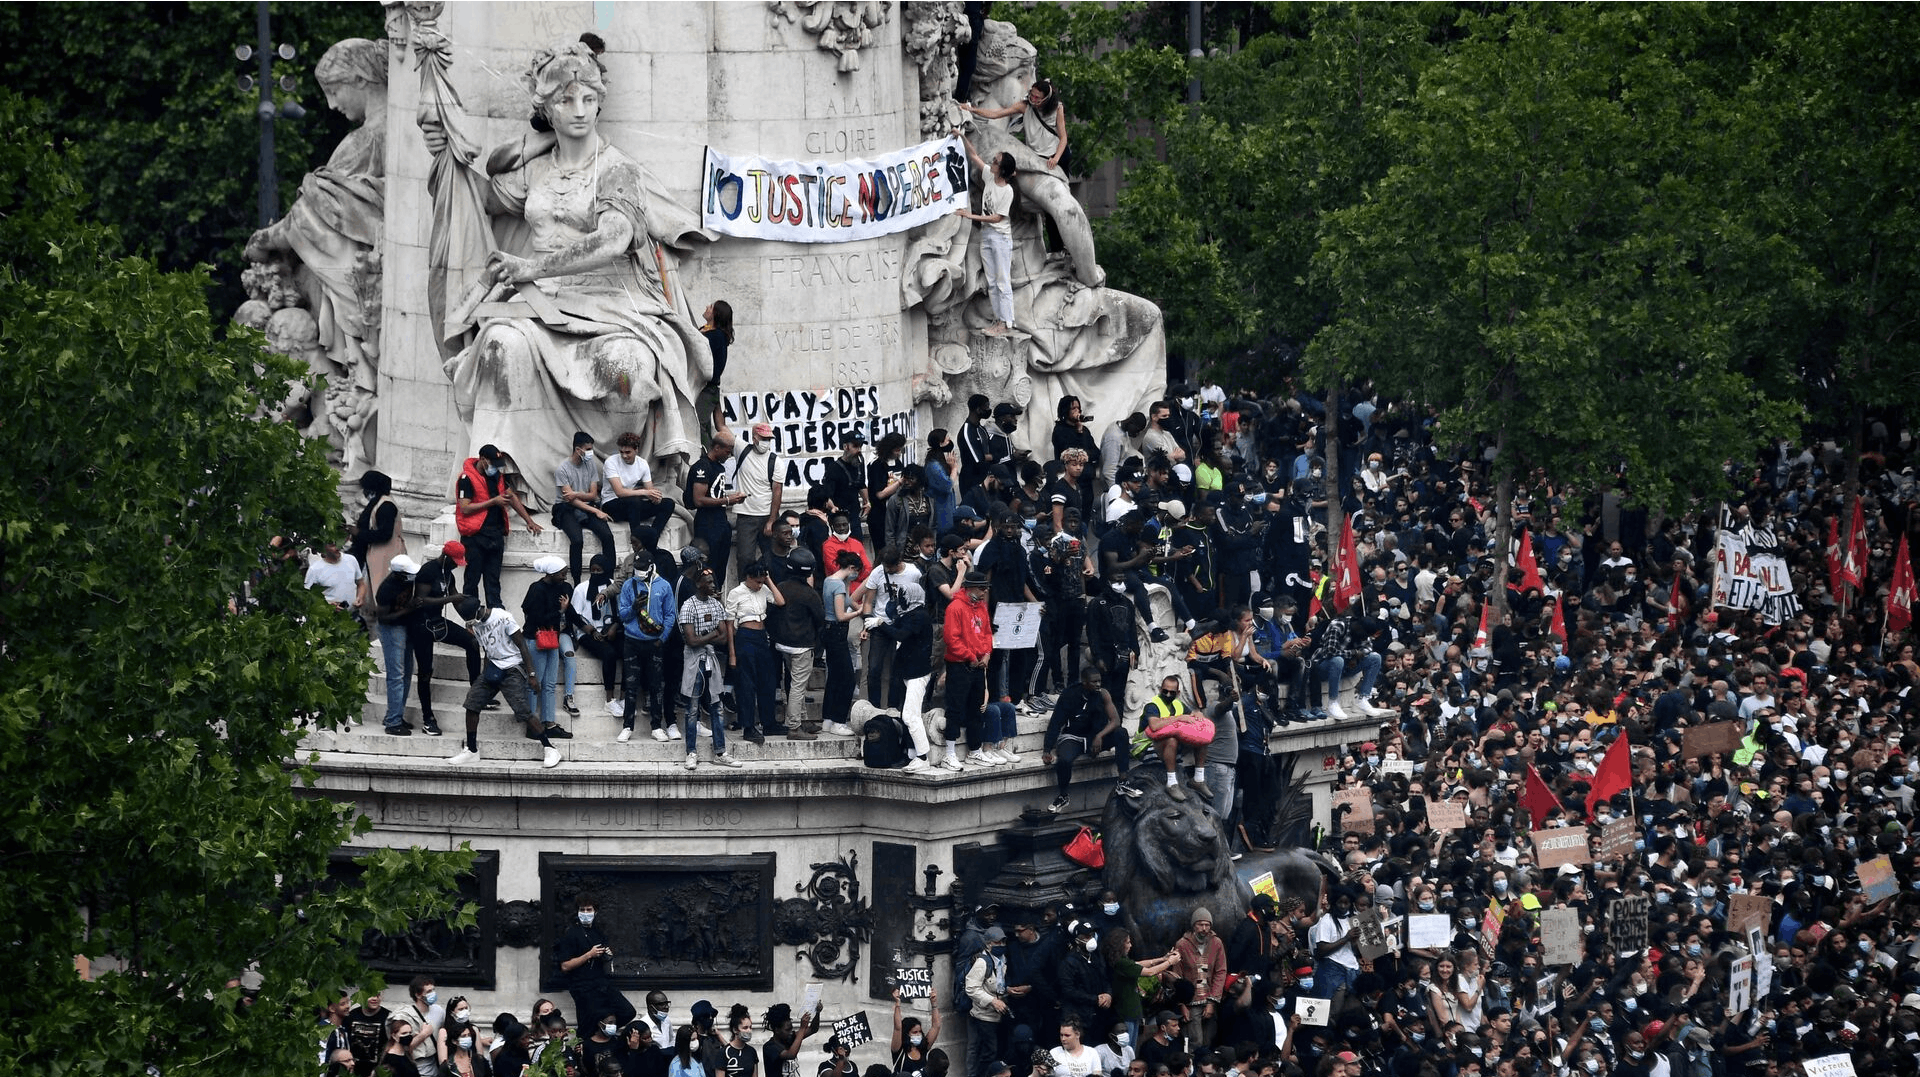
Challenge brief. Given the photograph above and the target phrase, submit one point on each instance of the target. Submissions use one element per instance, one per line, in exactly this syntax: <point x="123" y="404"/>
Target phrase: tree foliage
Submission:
<point x="143" y="96"/>
<point x="158" y="669"/>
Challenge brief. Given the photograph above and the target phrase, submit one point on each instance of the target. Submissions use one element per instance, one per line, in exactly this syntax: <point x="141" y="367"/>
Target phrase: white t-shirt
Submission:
<point x="496" y="639"/>
<point x="997" y="199"/>
<point x="634" y="476"/>
<point x="1075" y="1065"/>
<point x="336" y="581"/>
<point x="1328" y="928"/>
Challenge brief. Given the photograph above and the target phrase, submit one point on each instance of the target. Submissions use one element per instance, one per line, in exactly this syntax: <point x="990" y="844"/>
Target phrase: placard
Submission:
<point x="1402" y="767"/>
<point x="811" y="999"/>
<point x="1560" y="936"/>
<point x="1548" y="992"/>
<point x="1372" y="941"/>
<point x="1429" y="931"/>
<point x="1567" y="845"/>
<point x="853" y="1031"/>
<point x="1762" y="974"/>
<point x="1313" y="1011"/>
<point x="1700" y="741"/>
<point x="1263" y="884"/>
<point x="841" y="201"/>
<point x="1627" y="925"/>
<point x="1016" y="626"/>
<point x="1740" y="986"/>
<point x="1749" y="911"/>
<point x="1359" y="816"/>
<point x="1445" y="816"/>
<point x="1876" y="878"/>
<point x="1830" y="1066"/>
<point x="913" y="982"/>
<point x="1617" y="838"/>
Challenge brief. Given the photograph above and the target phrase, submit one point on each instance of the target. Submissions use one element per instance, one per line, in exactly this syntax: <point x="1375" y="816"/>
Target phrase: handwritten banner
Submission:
<point x="1700" y="741"/>
<point x="810" y="426"/>
<point x="1445" y="816"/>
<point x="1567" y="845"/>
<point x="832" y="201"/>
<point x="1617" y="838"/>
<point x="1560" y="936"/>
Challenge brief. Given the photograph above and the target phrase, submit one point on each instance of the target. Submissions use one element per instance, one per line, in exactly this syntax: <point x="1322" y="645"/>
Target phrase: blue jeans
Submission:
<point x="1336" y="669"/>
<point x="998" y="726"/>
<point x="546" y="666"/>
<point x="399" y="659"/>
<point x="1329" y="977"/>
<point x="690" y="721"/>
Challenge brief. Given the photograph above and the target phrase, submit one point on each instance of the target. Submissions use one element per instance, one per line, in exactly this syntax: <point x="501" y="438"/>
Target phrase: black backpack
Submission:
<point x="885" y="741"/>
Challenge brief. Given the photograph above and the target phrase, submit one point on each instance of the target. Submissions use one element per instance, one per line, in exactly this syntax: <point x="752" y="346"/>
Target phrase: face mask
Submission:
<point x="1603" y="817"/>
<point x="1636" y="1055"/>
<point x="610" y="1030"/>
<point x="1373" y="760"/>
<point x="1786" y="880"/>
<point x="1709" y="891"/>
<point x="1306" y="983"/>
<point x="659" y="1016"/>
<point x="1839" y="775"/>
<point x="1866" y="946"/>
<point x="1693" y="950"/>
<point x="1266" y="613"/>
<point x="1419" y="1037"/>
<point x="1426" y="906"/>
<point x="465" y="1042"/>
<point x="916" y="1039"/>
<point x="1592" y="1065"/>
<point x="1631" y="1005"/>
<point x="431" y="997"/>
<point x="1317" y="473"/>
<point x="1118" y="587"/>
<point x="462" y="1016"/>
<point x="492" y="471"/>
<point x="843" y="535"/>
<point x="1597" y="1024"/>
<point x="1110" y="908"/>
<point x="586" y="918"/>
<point x="1499" y="886"/>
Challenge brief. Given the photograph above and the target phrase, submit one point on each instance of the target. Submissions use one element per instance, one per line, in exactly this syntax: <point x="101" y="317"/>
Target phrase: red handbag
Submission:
<point x="1086" y="850"/>
<point x="546" y="639"/>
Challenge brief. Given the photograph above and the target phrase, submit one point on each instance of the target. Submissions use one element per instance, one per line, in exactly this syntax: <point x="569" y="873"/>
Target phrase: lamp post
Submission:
<point x="268" y="110"/>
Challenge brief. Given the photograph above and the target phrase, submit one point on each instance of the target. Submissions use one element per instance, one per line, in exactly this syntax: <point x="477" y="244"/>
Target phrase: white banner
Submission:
<point x="833" y="201"/>
<point x="1750" y="575"/>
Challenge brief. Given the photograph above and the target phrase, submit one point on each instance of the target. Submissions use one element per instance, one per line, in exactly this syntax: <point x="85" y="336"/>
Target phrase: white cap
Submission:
<point x="404" y="565"/>
<point x="548" y="565"/>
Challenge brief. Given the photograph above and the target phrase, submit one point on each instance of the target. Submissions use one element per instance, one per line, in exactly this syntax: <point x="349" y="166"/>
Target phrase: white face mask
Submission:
<point x="611" y="1030"/>
<point x="586" y="918"/>
<point x="465" y="1042"/>
<point x="1093" y="945"/>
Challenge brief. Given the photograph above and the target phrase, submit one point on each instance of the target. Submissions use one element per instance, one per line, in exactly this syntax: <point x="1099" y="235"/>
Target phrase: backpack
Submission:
<point x="885" y="741"/>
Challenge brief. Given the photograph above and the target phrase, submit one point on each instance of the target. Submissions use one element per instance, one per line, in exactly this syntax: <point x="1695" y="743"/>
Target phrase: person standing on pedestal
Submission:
<point x="481" y="497"/>
<point x="996" y="238"/>
<point x="648" y="617"/>
<point x="796" y="626"/>
<point x="375" y="538"/>
<point x="967" y="635"/>
<point x="586" y="962"/>
<point x="750" y="653"/>
<point x="976" y="443"/>
<point x="757" y="498"/>
<point x="709" y="499"/>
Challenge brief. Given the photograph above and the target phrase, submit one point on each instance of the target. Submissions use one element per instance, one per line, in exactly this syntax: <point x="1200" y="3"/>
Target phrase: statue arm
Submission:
<point x="609" y="241"/>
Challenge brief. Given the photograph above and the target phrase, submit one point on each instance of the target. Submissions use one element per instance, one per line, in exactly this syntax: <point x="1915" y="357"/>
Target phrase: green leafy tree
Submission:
<point x="143" y="95"/>
<point x="1556" y="259"/>
<point x="161" y="661"/>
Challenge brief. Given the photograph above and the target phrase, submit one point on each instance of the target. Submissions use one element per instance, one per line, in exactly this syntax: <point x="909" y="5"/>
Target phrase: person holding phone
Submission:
<point x="586" y="963"/>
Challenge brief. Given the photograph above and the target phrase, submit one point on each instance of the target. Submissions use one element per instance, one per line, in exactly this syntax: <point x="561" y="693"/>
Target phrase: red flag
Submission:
<point x="1346" y="572"/>
<point x="1853" y="559"/>
<point x="1835" y="580"/>
<point x="1559" y="627"/>
<point x="1539" y="800"/>
<point x="1480" y="637"/>
<point x="1675" y="614"/>
<point x="1615" y="774"/>
<point x="1319" y="591"/>
<point x="1900" y="597"/>
<point x="1529" y="567"/>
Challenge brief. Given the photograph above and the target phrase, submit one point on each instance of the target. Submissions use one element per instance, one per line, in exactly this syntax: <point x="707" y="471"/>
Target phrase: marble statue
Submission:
<point x="933" y="34"/>
<point x="842" y="27"/>
<point x="324" y="257"/>
<point x="578" y="320"/>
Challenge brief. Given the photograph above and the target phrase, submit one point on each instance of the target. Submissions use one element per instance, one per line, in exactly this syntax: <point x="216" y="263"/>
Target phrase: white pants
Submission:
<point x="910" y="713"/>
<point x="996" y="254"/>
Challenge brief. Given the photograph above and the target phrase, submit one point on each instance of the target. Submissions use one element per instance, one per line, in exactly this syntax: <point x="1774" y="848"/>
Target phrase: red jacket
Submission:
<point x="969" y="631"/>
<point x="471" y="522"/>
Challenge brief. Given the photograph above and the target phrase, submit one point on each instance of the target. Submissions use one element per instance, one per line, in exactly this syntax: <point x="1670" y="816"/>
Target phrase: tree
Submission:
<point x="1555" y="259"/>
<point x="143" y="97"/>
<point x="161" y="661"/>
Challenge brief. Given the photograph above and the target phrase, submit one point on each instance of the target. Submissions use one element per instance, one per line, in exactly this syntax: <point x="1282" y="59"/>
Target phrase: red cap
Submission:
<point x="456" y="550"/>
<point x="1654" y="1028"/>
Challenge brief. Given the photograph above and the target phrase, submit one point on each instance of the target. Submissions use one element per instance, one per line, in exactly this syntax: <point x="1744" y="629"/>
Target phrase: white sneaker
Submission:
<point x="693" y="760"/>
<point x="1334" y="710"/>
<point x="660" y="735"/>
<point x="1010" y="755"/>
<point x="727" y="760"/>
<point x="917" y="763"/>
<point x="552" y="760"/>
<point x="951" y="763"/>
<point x="673" y="732"/>
<point x="1372" y="711"/>
<point x="705" y="733"/>
<point x="467" y="755"/>
<point x="840" y="729"/>
<point x="616" y="707"/>
<point x="626" y="734"/>
<point x="986" y="757"/>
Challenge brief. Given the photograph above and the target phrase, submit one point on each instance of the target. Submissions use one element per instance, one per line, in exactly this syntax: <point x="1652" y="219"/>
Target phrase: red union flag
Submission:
<point x="1559" y="628"/>
<point x="1529" y="567"/>
<point x="1835" y="578"/>
<point x="1900" y="596"/>
<point x="1853" y="559"/>
<point x="1346" y="573"/>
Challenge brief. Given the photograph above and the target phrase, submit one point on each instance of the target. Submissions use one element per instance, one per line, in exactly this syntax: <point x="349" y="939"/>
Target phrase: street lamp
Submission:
<point x="267" y="109"/>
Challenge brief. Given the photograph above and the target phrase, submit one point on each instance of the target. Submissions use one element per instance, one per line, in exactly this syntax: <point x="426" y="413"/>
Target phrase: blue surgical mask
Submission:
<point x="431" y="997"/>
<point x="586" y="918"/>
<point x="492" y="471"/>
<point x="1111" y="908"/>
<point x="1306" y="983"/>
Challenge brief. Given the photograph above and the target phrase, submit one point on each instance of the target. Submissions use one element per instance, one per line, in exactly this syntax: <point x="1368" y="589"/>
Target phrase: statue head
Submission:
<point x="553" y="70"/>
<point x="351" y="73"/>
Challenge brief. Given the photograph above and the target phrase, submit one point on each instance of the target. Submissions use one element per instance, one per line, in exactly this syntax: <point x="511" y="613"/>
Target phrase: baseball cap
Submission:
<point x="456" y="550"/>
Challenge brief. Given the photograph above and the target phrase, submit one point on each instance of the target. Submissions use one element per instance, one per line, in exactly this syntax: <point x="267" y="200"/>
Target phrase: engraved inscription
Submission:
<point x="853" y="267"/>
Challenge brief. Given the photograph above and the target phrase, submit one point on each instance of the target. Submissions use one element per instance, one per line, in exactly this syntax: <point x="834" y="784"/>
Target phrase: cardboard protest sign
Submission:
<point x="1312" y="1011"/>
<point x="1830" y="1066"/>
<point x="1617" y="838"/>
<point x="1372" y="941"/>
<point x="1263" y="884"/>
<point x="1402" y="767"/>
<point x="1445" y="816"/>
<point x="1567" y="845"/>
<point x="1560" y="936"/>
<point x="1627" y="924"/>
<point x="1700" y="741"/>
<point x="1740" y="986"/>
<point x="853" y="1031"/>
<point x="1429" y="931"/>
<point x="1359" y="816"/>
<point x="1016" y="625"/>
<point x="913" y="982"/>
<point x="1876" y="878"/>
<point x="1748" y="911"/>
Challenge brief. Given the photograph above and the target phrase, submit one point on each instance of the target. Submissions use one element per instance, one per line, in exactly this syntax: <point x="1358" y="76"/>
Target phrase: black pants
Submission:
<point x="717" y="533"/>
<point x="642" y="661"/>
<point x="592" y="1003"/>
<point x="485" y="554"/>
<point x="1070" y="748"/>
<point x="880" y="648"/>
<point x="575" y="521"/>
<point x="645" y="519"/>
<point x="607" y="651"/>
<point x="966" y="702"/>
<point x="421" y="639"/>
<point x="837" y="705"/>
